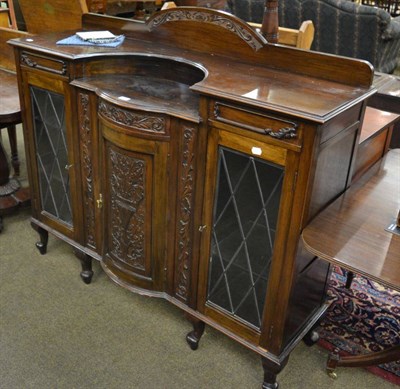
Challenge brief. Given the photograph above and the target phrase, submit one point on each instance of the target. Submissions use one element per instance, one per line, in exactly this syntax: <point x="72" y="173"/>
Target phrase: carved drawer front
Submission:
<point x="141" y="123"/>
<point x="47" y="64"/>
<point x="270" y="126"/>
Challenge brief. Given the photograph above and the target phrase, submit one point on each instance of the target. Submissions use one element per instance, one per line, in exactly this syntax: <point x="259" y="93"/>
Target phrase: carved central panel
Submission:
<point x="128" y="208"/>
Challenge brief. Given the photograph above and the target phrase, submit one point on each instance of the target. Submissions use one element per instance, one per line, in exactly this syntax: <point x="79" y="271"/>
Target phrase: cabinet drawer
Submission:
<point x="141" y="123"/>
<point x="47" y="64"/>
<point x="271" y="126"/>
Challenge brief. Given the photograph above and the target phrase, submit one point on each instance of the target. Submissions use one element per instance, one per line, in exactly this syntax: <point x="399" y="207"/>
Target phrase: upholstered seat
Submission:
<point x="341" y="27"/>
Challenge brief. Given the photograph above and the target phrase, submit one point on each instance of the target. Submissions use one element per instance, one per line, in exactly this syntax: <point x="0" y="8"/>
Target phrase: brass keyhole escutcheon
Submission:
<point x="100" y="201"/>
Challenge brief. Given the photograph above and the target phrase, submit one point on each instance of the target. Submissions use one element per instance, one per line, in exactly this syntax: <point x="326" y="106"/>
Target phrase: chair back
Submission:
<point x="7" y="59"/>
<point x="42" y="16"/>
<point x="301" y="38"/>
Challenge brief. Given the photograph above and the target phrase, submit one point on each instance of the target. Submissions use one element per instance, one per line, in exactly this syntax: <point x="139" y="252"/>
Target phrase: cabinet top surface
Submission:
<point x="144" y="92"/>
<point x="272" y="77"/>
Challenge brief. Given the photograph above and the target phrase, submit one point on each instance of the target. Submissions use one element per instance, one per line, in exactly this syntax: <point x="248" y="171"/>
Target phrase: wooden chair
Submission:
<point x="11" y="193"/>
<point x="4" y="19"/>
<point x="42" y="16"/>
<point x="97" y="6"/>
<point x="9" y="7"/>
<point x="301" y="38"/>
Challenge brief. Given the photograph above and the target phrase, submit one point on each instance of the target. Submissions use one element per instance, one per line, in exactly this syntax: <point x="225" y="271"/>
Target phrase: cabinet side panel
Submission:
<point x="333" y="169"/>
<point x="308" y="292"/>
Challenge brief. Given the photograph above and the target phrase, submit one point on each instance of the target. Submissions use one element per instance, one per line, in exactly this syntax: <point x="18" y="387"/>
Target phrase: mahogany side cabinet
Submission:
<point x="187" y="161"/>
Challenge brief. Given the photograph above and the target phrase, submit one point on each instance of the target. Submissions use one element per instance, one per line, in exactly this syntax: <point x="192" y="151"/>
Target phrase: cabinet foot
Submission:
<point x="86" y="276"/>
<point x="193" y="337"/>
<point x="332" y="363"/>
<point x="271" y="370"/>
<point x="1" y="223"/>
<point x="86" y="263"/>
<point x="44" y="238"/>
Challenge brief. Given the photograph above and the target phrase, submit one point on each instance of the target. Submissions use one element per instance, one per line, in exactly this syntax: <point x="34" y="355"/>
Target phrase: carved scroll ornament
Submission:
<point x="136" y="120"/>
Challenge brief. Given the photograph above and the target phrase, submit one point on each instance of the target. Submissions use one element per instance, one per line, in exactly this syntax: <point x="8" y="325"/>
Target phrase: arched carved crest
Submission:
<point x="210" y="16"/>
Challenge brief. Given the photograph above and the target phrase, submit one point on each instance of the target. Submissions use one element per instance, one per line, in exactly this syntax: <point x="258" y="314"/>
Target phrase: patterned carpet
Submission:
<point x="364" y="318"/>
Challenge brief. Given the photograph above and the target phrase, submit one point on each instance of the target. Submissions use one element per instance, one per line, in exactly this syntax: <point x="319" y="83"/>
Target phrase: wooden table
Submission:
<point x="353" y="232"/>
<point x="12" y="195"/>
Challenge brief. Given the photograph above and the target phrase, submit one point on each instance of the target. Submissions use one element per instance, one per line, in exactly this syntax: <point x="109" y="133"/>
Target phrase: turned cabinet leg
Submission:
<point x="193" y="337"/>
<point x="86" y="263"/>
<point x="271" y="370"/>
<point x="44" y="238"/>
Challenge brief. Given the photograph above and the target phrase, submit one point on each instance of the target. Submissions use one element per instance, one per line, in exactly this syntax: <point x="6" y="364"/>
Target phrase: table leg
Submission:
<point x="12" y="136"/>
<point x="334" y="360"/>
<point x="11" y="194"/>
<point x="4" y="168"/>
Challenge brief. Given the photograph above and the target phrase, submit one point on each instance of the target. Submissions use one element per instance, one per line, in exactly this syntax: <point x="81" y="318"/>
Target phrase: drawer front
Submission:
<point x="47" y="64"/>
<point x="273" y="127"/>
<point x="141" y="123"/>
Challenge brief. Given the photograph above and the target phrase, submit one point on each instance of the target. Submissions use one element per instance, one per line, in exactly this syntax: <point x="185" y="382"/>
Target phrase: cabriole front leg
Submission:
<point x="44" y="238"/>
<point x="86" y="263"/>
<point x="271" y="370"/>
<point x="193" y="337"/>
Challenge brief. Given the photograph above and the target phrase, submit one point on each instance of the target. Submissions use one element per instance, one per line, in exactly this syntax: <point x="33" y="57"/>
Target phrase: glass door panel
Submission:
<point x="244" y="223"/>
<point x="52" y="153"/>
